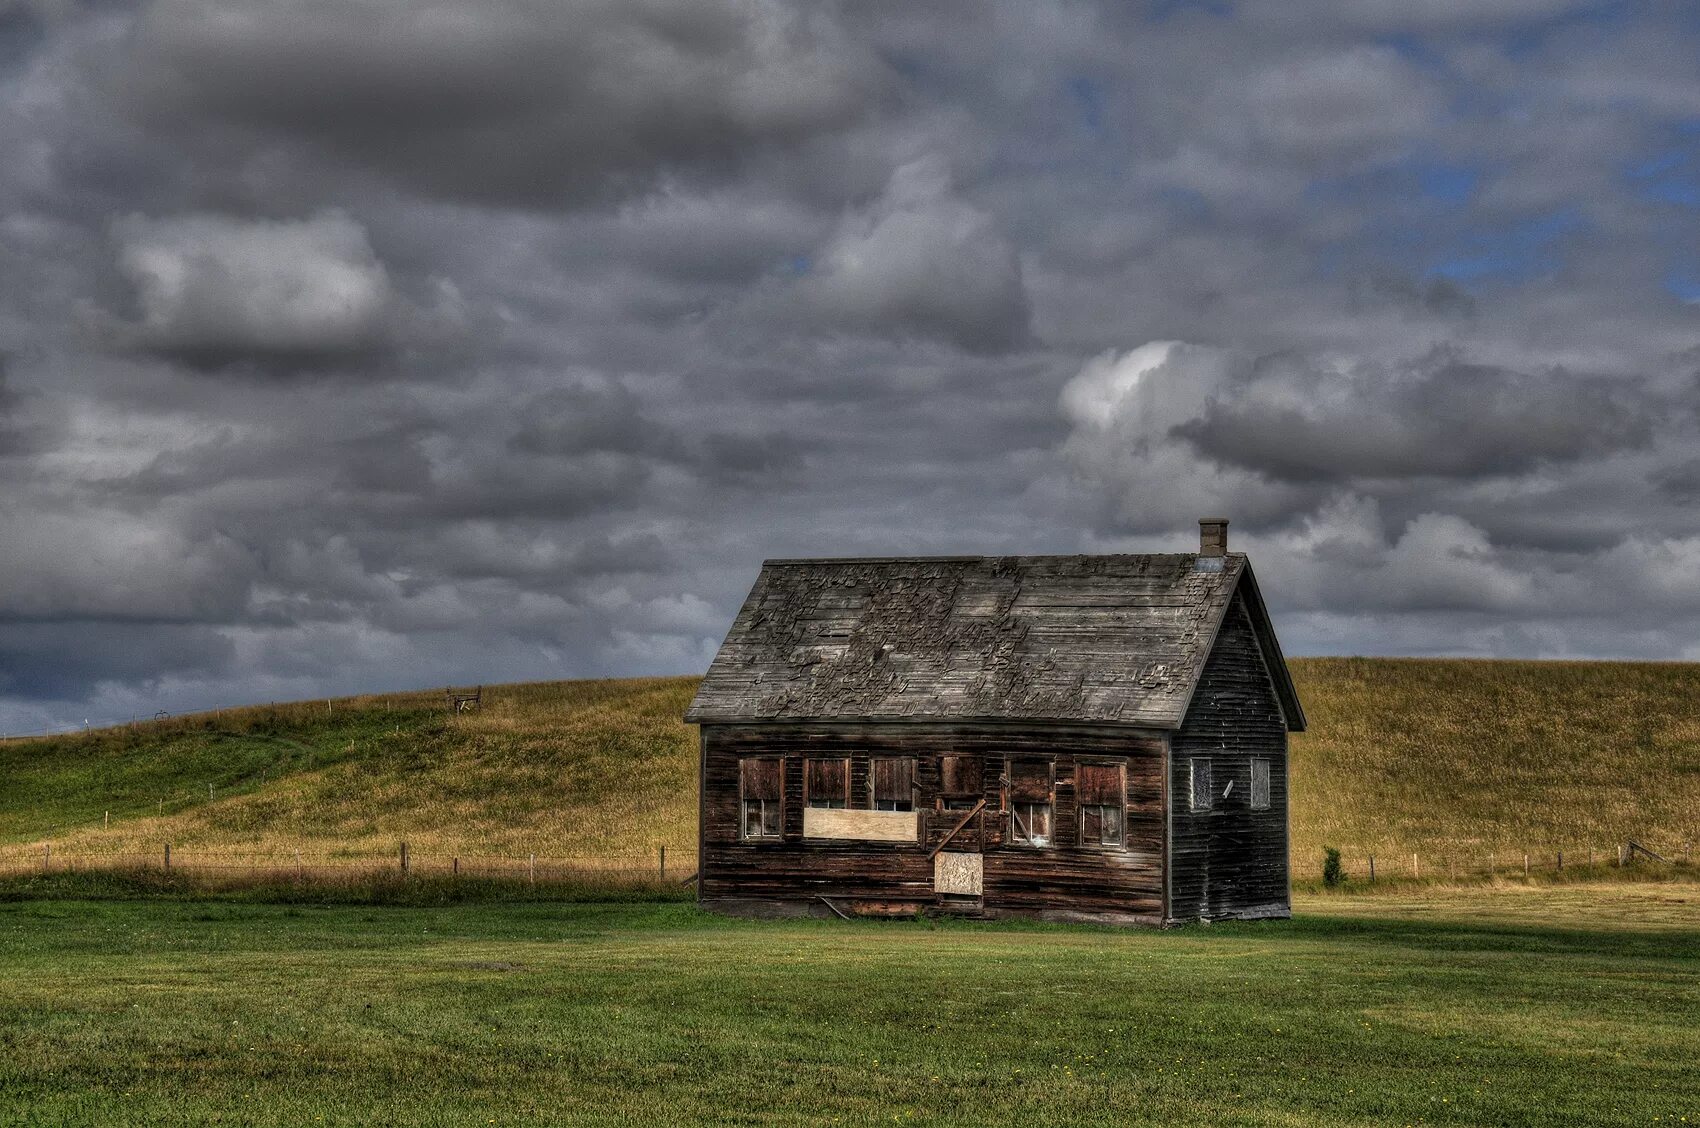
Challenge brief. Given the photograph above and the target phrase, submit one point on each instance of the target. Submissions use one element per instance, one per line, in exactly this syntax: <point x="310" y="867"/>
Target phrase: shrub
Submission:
<point x="1332" y="873"/>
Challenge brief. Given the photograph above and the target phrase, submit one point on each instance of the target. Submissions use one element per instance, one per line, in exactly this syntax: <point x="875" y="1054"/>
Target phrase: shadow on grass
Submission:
<point x="1445" y="933"/>
<point x="1451" y="934"/>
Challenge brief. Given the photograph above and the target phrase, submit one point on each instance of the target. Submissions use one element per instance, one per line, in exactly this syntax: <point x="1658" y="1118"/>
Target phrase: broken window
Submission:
<point x="762" y="790"/>
<point x="826" y="783"/>
<point x="894" y="783"/>
<point x="1260" y="785"/>
<point x="1200" y="769"/>
<point x="1101" y="791"/>
<point x="960" y="782"/>
<point x="1031" y="802"/>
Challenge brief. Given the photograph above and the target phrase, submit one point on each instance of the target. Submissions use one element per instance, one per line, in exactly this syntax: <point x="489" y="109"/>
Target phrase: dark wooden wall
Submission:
<point x="1230" y="861"/>
<point x="1061" y="879"/>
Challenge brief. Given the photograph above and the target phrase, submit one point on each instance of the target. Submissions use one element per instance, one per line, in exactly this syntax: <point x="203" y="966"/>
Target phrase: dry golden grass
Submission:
<point x="1643" y="906"/>
<point x="563" y="770"/>
<point x="1457" y="760"/>
<point x="1462" y="760"/>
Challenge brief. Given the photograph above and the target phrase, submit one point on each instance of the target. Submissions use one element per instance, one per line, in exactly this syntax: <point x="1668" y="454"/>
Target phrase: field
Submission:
<point x="1460" y="761"/>
<point x="585" y="769"/>
<point x="1569" y="1005"/>
<point x="134" y="998"/>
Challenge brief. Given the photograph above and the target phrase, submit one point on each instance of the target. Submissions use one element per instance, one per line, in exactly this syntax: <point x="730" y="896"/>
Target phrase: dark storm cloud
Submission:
<point x="354" y="346"/>
<point x="1439" y="415"/>
<point x="60" y="661"/>
<point x="516" y="101"/>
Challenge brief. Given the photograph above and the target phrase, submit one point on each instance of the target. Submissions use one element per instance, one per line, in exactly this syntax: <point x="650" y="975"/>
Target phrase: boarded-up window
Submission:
<point x="1200" y="768"/>
<point x="894" y="783"/>
<point x="826" y="783"/>
<point x="1260" y="785"/>
<point x="761" y="785"/>
<point x="961" y="784"/>
<point x="1030" y="802"/>
<point x="1101" y="791"/>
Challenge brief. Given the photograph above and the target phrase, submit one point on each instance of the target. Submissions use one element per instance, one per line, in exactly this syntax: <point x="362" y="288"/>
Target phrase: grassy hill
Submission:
<point x="1451" y="758"/>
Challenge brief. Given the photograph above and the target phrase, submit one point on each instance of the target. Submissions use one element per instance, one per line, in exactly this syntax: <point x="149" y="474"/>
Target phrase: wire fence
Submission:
<point x="670" y="865"/>
<point x="428" y="699"/>
<point x="662" y="866"/>
<point x="1461" y="863"/>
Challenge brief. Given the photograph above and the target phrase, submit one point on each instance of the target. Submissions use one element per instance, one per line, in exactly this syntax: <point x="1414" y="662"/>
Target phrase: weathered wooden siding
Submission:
<point x="1065" y="877"/>
<point x="1230" y="861"/>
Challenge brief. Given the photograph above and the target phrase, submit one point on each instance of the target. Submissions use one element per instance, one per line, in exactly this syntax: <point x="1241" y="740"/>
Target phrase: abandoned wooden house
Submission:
<point x="1067" y="737"/>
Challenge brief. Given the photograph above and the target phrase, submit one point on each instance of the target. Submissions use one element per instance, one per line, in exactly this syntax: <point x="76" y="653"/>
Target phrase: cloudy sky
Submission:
<point x="349" y="345"/>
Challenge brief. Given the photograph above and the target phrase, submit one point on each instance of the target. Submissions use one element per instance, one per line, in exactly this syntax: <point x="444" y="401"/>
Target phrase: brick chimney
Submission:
<point x="1213" y="536"/>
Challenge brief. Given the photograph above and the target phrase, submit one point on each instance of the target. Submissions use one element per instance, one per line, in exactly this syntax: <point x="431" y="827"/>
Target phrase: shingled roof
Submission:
<point x="1099" y="639"/>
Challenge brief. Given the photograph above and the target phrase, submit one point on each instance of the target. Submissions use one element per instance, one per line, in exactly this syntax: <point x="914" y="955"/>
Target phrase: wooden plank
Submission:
<point x="962" y="822"/>
<point x="1065" y="876"/>
<point x="860" y="826"/>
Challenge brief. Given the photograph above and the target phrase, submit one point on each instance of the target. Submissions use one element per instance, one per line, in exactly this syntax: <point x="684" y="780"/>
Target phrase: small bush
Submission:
<point x="1332" y="872"/>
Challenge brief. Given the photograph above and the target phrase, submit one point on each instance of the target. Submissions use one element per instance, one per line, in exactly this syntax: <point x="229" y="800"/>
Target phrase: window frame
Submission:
<point x="1024" y="838"/>
<point x="808" y="782"/>
<point x="744" y="801"/>
<point x="1268" y="783"/>
<point x="874" y="799"/>
<point x="1081" y="808"/>
<point x="1194" y="775"/>
<point x="961" y="800"/>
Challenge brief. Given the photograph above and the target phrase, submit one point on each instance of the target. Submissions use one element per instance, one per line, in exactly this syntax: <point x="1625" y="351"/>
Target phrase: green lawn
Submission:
<point x="1564" y="1005"/>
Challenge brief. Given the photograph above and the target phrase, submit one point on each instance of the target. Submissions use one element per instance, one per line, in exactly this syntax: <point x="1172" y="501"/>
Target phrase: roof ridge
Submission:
<point x="791" y="561"/>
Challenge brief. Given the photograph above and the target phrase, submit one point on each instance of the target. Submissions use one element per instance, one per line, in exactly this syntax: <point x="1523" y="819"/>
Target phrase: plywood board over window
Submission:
<point x="1101" y="792"/>
<point x="960" y="875"/>
<point x="1199" y="778"/>
<point x="1031" y="801"/>
<point x="1259" y="785"/>
<point x="826" y="783"/>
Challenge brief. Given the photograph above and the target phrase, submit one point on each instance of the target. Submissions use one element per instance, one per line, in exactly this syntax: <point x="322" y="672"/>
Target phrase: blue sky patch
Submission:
<point x="1684" y="283"/>
<point x="1516" y="252"/>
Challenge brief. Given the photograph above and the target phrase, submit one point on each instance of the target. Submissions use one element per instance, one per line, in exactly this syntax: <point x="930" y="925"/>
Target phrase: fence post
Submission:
<point x="531" y="870"/>
<point x="404" y="857"/>
<point x="663" y="863"/>
<point x="168" y="855"/>
<point x="1561" y="861"/>
<point x="106" y="822"/>
<point x="46" y="856"/>
<point x="1525" y="863"/>
<point x="1415" y="871"/>
<point x="1371" y="867"/>
<point x="456" y="867"/>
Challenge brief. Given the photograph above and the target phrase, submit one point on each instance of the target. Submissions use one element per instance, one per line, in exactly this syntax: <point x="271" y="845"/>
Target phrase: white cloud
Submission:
<point x="211" y="282"/>
<point x="922" y="260"/>
<point x="1124" y="410"/>
<point x="1348" y="103"/>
